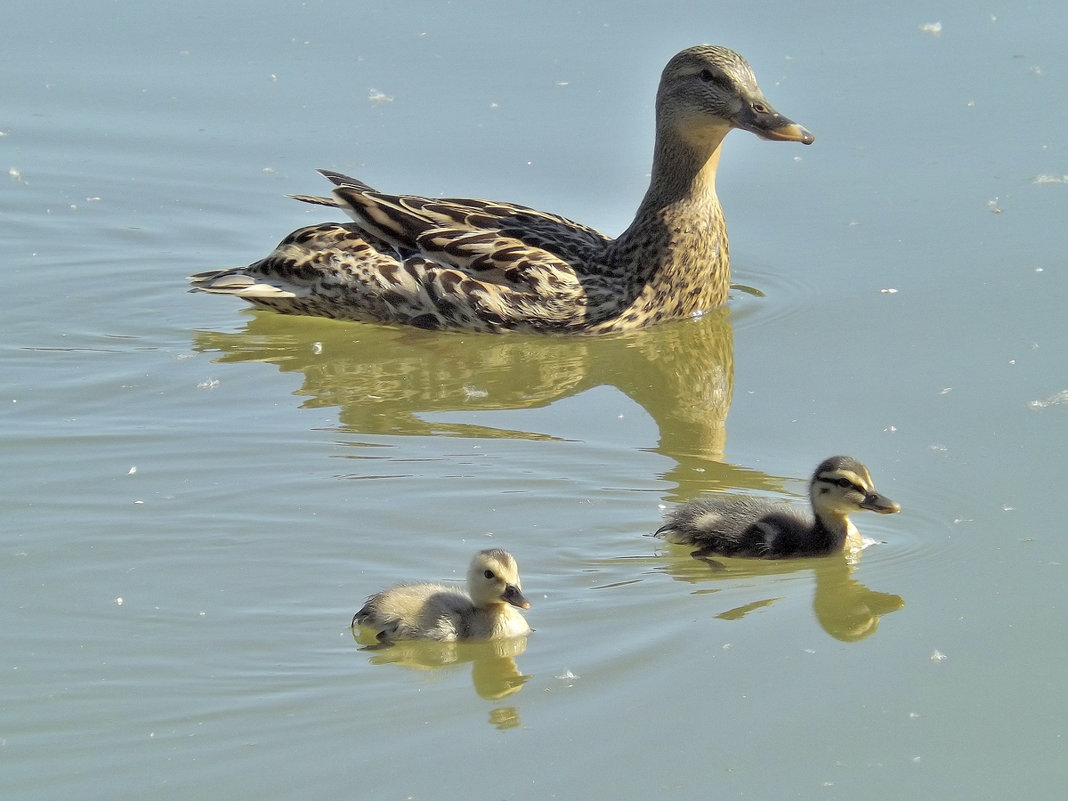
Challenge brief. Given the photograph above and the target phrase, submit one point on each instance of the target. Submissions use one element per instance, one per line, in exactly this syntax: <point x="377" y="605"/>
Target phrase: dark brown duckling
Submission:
<point x="755" y="527"/>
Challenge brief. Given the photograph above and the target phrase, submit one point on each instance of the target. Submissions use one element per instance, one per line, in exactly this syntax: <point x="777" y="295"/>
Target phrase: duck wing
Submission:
<point x="432" y="263"/>
<point x="469" y="234"/>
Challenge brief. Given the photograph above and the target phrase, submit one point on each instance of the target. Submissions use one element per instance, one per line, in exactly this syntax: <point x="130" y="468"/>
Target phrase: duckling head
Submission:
<point x="842" y="485"/>
<point x="706" y="90"/>
<point x="493" y="578"/>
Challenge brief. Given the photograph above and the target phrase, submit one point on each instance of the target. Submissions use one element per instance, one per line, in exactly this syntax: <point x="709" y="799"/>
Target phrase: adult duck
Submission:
<point x="476" y="265"/>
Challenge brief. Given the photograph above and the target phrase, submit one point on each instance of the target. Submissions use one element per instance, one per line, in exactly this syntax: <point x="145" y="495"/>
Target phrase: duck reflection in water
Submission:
<point x="495" y="674"/>
<point x="846" y="609"/>
<point x="397" y="381"/>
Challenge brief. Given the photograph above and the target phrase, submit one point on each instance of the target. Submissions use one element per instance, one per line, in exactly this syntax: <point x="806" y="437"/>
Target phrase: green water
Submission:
<point x="197" y="497"/>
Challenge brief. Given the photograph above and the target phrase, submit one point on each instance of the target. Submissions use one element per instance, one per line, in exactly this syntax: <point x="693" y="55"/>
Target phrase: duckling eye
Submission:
<point x="845" y="483"/>
<point x="706" y="76"/>
<point x="488" y="574"/>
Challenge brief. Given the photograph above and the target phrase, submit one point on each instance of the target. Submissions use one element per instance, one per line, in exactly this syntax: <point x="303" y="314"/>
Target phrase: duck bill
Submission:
<point x="767" y="123"/>
<point x="880" y="503"/>
<point x="514" y="596"/>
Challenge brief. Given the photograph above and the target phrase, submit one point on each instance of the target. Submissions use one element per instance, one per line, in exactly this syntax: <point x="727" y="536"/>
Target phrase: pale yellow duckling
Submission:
<point x="446" y="613"/>
<point x="459" y="263"/>
<point x="760" y="528"/>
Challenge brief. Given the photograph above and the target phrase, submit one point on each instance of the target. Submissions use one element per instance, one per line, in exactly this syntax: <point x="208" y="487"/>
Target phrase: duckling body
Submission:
<point x="447" y="613"/>
<point x="755" y="527"/>
<point x="457" y="263"/>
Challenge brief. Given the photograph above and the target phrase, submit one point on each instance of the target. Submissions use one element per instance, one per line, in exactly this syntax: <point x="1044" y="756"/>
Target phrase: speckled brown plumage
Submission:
<point x="477" y="265"/>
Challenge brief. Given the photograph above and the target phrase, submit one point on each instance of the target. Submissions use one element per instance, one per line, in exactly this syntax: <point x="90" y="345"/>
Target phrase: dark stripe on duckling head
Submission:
<point x="844" y="480"/>
<point x="843" y="467"/>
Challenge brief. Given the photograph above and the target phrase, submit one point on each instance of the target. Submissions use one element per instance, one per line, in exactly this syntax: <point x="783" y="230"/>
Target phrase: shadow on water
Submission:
<point x="383" y="379"/>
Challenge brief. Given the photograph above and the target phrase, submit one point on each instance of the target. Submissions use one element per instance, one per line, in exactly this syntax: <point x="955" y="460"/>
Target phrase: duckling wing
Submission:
<point x="417" y="612"/>
<point x="780" y="533"/>
<point x="726" y="526"/>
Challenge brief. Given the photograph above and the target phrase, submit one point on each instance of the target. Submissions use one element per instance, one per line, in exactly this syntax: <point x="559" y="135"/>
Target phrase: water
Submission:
<point x="197" y="497"/>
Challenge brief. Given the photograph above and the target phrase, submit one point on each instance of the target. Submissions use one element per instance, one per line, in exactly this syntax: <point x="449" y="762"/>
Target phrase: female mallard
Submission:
<point x="483" y="266"/>
<point x="447" y="613"/>
<point x="755" y="527"/>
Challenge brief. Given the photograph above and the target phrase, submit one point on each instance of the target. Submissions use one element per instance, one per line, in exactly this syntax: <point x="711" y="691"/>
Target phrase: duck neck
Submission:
<point x="832" y="530"/>
<point x="675" y="251"/>
<point x="684" y="169"/>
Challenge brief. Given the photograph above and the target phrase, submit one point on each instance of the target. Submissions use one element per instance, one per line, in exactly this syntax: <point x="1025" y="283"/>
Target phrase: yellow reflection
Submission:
<point x="845" y="608"/>
<point x="494" y="672"/>
<point x="387" y="380"/>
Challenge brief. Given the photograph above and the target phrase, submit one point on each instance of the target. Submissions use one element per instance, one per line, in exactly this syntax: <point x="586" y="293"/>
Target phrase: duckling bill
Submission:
<point x="446" y="613"/>
<point x="754" y="527"/>
<point x="476" y="265"/>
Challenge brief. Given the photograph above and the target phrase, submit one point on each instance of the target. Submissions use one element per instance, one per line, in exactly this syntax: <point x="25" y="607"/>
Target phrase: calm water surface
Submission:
<point x="197" y="497"/>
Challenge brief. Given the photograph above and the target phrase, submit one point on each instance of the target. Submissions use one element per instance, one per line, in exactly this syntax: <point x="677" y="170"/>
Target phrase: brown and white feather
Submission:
<point x="480" y="265"/>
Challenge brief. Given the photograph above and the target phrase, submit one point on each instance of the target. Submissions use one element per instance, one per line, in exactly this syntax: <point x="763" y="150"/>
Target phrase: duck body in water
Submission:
<point x="428" y="611"/>
<point x="755" y="527"/>
<point x="475" y="265"/>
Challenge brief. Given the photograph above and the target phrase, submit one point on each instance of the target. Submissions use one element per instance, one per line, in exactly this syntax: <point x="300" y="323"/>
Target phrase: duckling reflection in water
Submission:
<point x="446" y="613"/>
<point x="755" y="527"/>
<point x="495" y="674"/>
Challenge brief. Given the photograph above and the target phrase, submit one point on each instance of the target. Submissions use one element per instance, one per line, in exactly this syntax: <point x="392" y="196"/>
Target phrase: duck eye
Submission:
<point x="706" y="76"/>
<point x="488" y="574"/>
